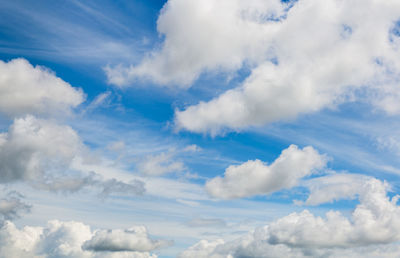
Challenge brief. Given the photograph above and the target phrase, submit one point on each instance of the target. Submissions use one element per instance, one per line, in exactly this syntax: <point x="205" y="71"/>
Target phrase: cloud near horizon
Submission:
<point x="371" y="231"/>
<point x="75" y="239"/>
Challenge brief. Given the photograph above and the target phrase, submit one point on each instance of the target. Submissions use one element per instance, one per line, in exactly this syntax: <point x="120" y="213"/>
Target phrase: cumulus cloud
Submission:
<point x="25" y="89"/>
<point x="257" y="178"/>
<point x="33" y="146"/>
<point x="40" y="152"/>
<point x="304" y="56"/>
<point x="75" y="239"/>
<point x="372" y="231"/>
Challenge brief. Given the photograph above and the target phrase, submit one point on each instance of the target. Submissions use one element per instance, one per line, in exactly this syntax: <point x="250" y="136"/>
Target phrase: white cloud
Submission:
<point x="334" y="187"/>
<point x="302" y="59"/>
<point x="65" y="239"/>
<point x="257" y="178"/>
<point x="33" y="147"/>
<point x="372" y="231"/>
<point x="25" y="89"/>
<point x="202" y="35"/>
<point x="374" y="221"/>
<point x="159" y="164"/>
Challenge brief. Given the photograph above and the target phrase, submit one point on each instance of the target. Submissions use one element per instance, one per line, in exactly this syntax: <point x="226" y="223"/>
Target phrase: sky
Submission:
<point x="209" y="129"/>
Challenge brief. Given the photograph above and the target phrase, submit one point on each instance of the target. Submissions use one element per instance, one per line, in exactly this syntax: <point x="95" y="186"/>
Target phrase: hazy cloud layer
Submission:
<point x="11" y="206"/>
<point x="257" y="178"/>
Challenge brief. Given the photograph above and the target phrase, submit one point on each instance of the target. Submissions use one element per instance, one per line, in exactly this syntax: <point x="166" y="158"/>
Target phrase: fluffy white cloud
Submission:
<point x="203" y="35"/>
<point x="74" y="239"/>
<point x="375" y="220"/>
<point x="257" y="178"/>
<point x="302" y="58"/>
<point x="372" y="231"/>
<point x="25" y="89"/>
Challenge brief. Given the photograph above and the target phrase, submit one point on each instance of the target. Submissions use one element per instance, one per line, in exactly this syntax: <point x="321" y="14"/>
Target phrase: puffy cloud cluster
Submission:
<point x="25" y="89"/>
<point x="75" y="239"/>
<point x="304" y="56"/>
<point x="372" y="231"/>
<point x="33" y="146"/>
<point x="40" y="152"/>
<point x="257" y="178"/>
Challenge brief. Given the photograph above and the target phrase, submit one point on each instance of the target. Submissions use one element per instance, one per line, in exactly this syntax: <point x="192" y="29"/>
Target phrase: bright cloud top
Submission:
<point x="25" y="89"/>
<point x="303" y="56"/>
<point x="257" y="178"/>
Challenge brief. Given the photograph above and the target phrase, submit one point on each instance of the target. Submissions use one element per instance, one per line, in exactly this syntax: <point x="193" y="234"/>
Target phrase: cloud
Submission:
<point x="134" y="239"/>
<point x="200" y="36"/>
<point x="25" y="89"/>
<point x="163" y="163"/>
<point x="40" y="152"/>
<point x="75" y="239"/>
<point x="11" y="206"/>
<point x="257" y="178"/>
<point x="304" y="56"/>
<point x="34" y="147"/>
<point x="373" y="230"/>
<point x="334" y="187"/>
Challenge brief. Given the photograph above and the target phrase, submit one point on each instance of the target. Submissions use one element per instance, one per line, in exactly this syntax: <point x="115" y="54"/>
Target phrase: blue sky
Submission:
<point x="199" y="128"/>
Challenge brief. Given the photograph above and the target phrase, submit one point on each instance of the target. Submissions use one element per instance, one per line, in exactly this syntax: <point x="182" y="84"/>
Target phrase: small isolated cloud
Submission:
<point x="255" y="177"/>
<point x="25" y="89"/>
<point x="75" y="239"/>
<point x="373" y="230"/>
<point x="12" y="206"/>
<point x="160" y="164"/>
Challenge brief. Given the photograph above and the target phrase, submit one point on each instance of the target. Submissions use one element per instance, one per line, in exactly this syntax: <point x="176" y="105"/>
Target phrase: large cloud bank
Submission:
<point x="75" y="239"/>
<point x="303" y="55"/>
<point x="372" y="231"/>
